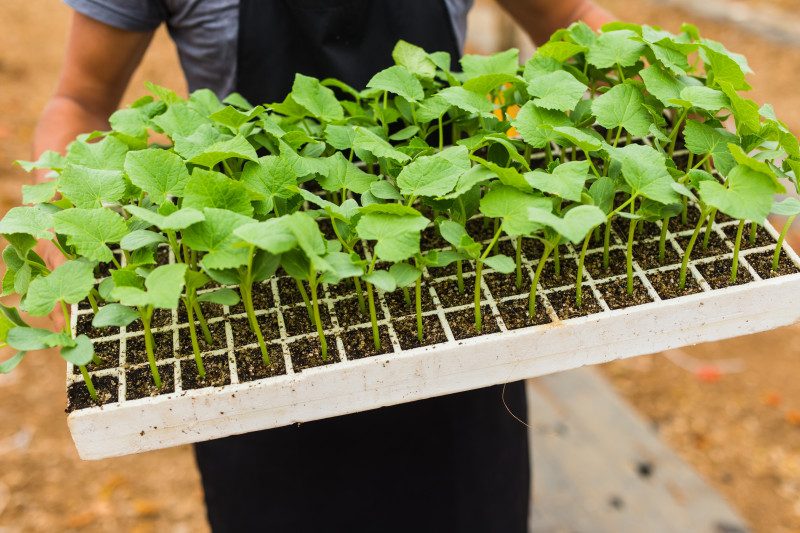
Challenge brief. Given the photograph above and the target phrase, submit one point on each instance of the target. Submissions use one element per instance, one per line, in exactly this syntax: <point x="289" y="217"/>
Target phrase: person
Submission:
<point x="453" y="463"/>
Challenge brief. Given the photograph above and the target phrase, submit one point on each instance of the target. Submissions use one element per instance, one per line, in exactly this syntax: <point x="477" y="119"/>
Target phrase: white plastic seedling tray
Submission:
<point x="125" y="426"/>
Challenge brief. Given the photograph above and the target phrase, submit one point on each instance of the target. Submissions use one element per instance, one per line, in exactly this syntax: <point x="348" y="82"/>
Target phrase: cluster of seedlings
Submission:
<point x="428" y="172"/>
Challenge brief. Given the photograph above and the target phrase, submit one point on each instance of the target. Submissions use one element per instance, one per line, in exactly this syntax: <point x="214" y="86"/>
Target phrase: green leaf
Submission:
<point x="114" y="315"/>
<point x="512" y="205"/>
<point x="702" y="98"/>
<point x="28" y="339"/>
<point x="89" y="230"/>
<point x="560" y="50"/>
<point x="434" y="175"/>
<point x="70" y="282"/>
<point x="558" y="90"/>
<point x="88" y="188"/>
<point x="501" y="263"/>
<point x="48" y="160"/>
<point x="183" y="218"/>
<point x="397" y="236"/>
<point x="342" y="174"/>
<point x="180" y="120"/>
<point x="414" y="58"/>
<point x="622" y="106"/>
<point x="39" y="193"/>
<point x="223" y="296"/>
<point x="80" y="354"/>
<point x="270" y="176"/>
<point x="506" y="62"/>
<point x="28" y="220"/>
<point x="477" y="175"/>
<point x="272" y="235"/>
<point x="615" y="48"/>
<point x="381" y="279"/>
<point x="745" y="111"/>
<point x="586" y="139"/>
<point x="566" y="181"/>
<point x="220" y="151"/>
<point x="233" y="118"/>
<point x="199" y="141"/>
<point x="469" y="101"/>
<point x="602" y="192"/>
<point x="213" y="189"/>
<point x="789" y="207"/>
<point x="340" y="137"/>
<point x="320" y="101"/>
<point x="725" y="69"/>
<point x="530" y="117"/>
<point x="368" y="141"/>
<point x="306" y="231"/>
<point x="339" y="265"/>
<point x="702" y="139"/>
<point x="759" y="166"/>
<point x="215" y="236"/>
<point x="404" y="274"/>
<point x="157" y="172"/>
<point x="662" y="84"/>
<point x="164" y="286"/>
<point x="540" y="66"/>
<point x="107" y="154"/>
<point x="645" y="170"/>
<point x="140" y="238"/>
<point x="398" y="80"/>
<point x="749" y="195"/>
<point x="484" y="84"/>
<point x="406" y="133"/>
<point x="456" y="235"/>
<point x="508" y="176"/>
<point x="576" y="223"/>
<point x="10" y="364"/>
<point x="391" y="209"/>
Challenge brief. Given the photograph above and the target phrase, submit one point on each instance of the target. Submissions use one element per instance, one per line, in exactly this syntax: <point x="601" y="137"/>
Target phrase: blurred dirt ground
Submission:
<point x="741" y="429"/>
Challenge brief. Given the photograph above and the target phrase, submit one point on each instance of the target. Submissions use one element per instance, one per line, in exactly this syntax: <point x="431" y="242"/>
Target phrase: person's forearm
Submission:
<point x="540" y="18"/>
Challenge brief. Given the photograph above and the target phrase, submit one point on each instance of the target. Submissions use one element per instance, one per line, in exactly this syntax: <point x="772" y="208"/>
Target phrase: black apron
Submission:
<point x="456" y="463"/>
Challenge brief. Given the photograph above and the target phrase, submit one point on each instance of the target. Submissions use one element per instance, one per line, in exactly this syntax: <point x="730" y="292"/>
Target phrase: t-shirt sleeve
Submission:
<point x="131" y="15"/>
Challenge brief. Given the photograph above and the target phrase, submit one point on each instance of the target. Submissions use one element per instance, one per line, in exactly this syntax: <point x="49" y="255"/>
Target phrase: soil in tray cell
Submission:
<point x="515" y="313"/>
<point x="161" y="318"/>
<point x="763" y="238"/>
<point x="503" y="285"/>
<point x="431" y="239"/>
<point x="108" y="352"/>
<point x="218" y="372"/>
<point x="532" y="249"/>
<point x="288" y="293"/>
<point x="617" y="265"/>
<point x="406" y="329"/>
<point x="692" y="216"/>
<point x="666" y="283"/>
<point x="716" y="245"/>
<point x="243" y="335"/>
<point x="462" y="323"/>
<point x="718" y="274"/>
<point x="217" y="330"/>
<point x="615" y="293"/>
<point x="345" y="287"/>
<point x="645" y="230"/>
<point x="359" y="343"/>
<point x="136" y="351"/>
<point x="78" y="396"/>
<point x="448" y="294"/>
<point x="262" y="299"/>
<point x="210" y="310"/>
<point x="398" y="307"/>
<point x="348" y="313"/>
<point x="250" y="363"/>
<point x="567" y="275"/>
<point x="307" y="353"/>
<point x="140" y="382"/>
<point x="298" y="322"/>
<point x="563" y="303"/>
<point x="84" y="327"/>
<point x="480" y="229"/>
<point x="762" y="263"/>
<point x="646" y="254"/>
<point x="451" y="269"/>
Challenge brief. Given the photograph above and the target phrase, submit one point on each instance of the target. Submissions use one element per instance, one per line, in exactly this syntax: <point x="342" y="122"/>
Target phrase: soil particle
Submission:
<point x="448" y="294"/>
<point x="666" y="284"/>
<point x="515" y="313"/>
<point x="242" y="334"/>
<point x="298" y="322"/>
<point x="209" y="309"/>
<point x="217" y="330"/>
<point x="646" y="254"/>
<point x="348" y="313"/>
<point x="398" y="307"/>
<point x="161" y="318"/>
<point x="716" y="246"/>
<point x="217" y="372"/>
<point x="307" y="353"/>
<point x="593" y="263"/>
<point x="136" y="351"/>
<point x="108" y="352"/>
<point x="692" y="216"/>
<point x="718" y="274"/>
<point x="568" y="273"/>
<point x="406" y="329"/>
<point x="762" y="264"/>
<point x="615" y="293"/>
<point x="763" y="238"/>
<point x="462" y="323"/>
<point x="503" y="285"/>
<point x="140" y="382"/>
<point x="262" y="299"/>
<point x="250" y="363"/>
<point x="563" y="303"/>
<point x="84" y="327"/>
<point x="78" y="395"/>
<point x="359" y="343"/>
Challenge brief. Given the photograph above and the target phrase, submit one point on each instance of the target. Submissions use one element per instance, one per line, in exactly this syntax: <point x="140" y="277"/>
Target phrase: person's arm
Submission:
<point x="540" y="18"/>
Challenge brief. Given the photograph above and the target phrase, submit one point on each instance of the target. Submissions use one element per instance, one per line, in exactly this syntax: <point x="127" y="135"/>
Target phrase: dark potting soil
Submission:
<point x="108" y="352"/>
<point x="666" y="284"/>
<point x="431" y="239"/>
<point x="563" y="303"/>
<point x="644" y="229"/>
<point x="359" y="343"/>
<point x="763" y="238"/>
<point x="288" y="293"/>
<point x="567" y="275"/>
<point x="462" y="323"/>
<point x="161" y="318"/>
<point x="307" y="353"/>
<point x="218" y="372"/>
<point x="593" y="263"/>
<point x="680" y="160"/>
<point x="78" y="395"/>
<point x="716" y="246"/>
<point x="243" y="335"/>
<point x="84" y="327"/>
<point x="103" y="270"/>
<point x="140" y="382"/>
<point x="348" y="312"/>
<point x="506" y="248"/>
<point x="210" y="310"/>
<point x="345" y="287"/>
<point x="615" y="293"/>
<point x="398" y="307"/>
<point x="162" y="255"/>
<point x="451" y="269"/>
<point x="217" y="330"/>
<point x="646" y="254"/>
<point x="692" y="217"/>
<point x="406" y="330"/>
<point x="448" y="294"/>
<point x="136" y="352"/>
<point x="298" y="322"/>
<point x="762" y="264"/>
<point x="718" y="274"/>
<point x="515" y="313"/>
<point x="532" y="249"/>
<point x="262" y="299"/>
<point x="478" y="229"/>
<point x="503" y="285"/>
<point x="250" y="363"/>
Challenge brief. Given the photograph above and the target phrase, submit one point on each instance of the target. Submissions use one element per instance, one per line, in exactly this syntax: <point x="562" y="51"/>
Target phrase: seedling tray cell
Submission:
<point x="246" y="396"/>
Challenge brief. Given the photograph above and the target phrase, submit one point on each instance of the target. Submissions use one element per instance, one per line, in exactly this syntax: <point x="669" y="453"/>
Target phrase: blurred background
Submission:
<point x="730" y="409"/>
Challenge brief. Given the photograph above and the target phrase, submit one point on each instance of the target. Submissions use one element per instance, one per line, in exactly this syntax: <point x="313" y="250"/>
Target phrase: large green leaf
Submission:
<point x="368" y="141"/>
<point x="566" y="181"/>
<point x="180" y="119"/>
<point x="183" y="218"/>
<point x="622" y="106"/>
<point x="237" y="147"/>
<point x="530" y="117"/>
<point x="702" y="98"/>
<point x="272" y="235"/>
<point x="164" y="287"/>
<point x="645" y="170"/>
<point x="89" y="230"/>
<point x="512" y="205"/>
<point x="81" y="353"/>
<point x="702" y="139"/>
<point x="270" y="176"/>
<point x="662" y="84"/>
<point x="575" y="224"/>
<point x="759" y="166"/>
<point x="28" y="220"/>
<point x="558" y="90"/>
<point x="89" y="188"/>
<point x="398" y="80"/>
<point x="414" y="58"/>
<point x="70" y="282"/>
<point x="615" y="48"/>
<point x="157" y="172"/>
<point x="206" y="188"/>
<point x="114" y="315"/>
<point x="434" y="175"/>
<point x="506" y="62"/>
<point x="306" y="231"/>
<point x="319" y="100"/>
<point x="469" y="101"/>
<point x="484" y="84"/>
<point x="106" y="154"/>
<point x="748" y="196"/>
<point x="342" y="174"/>
<point x="198" y="141"/>
<point x="215" y="236"/>
<point x="397" y="236"/>
<point x="725" y="69"/>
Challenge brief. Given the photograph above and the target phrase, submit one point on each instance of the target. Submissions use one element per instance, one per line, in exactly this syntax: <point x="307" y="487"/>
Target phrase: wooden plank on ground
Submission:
<point x="598" y="467"/>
